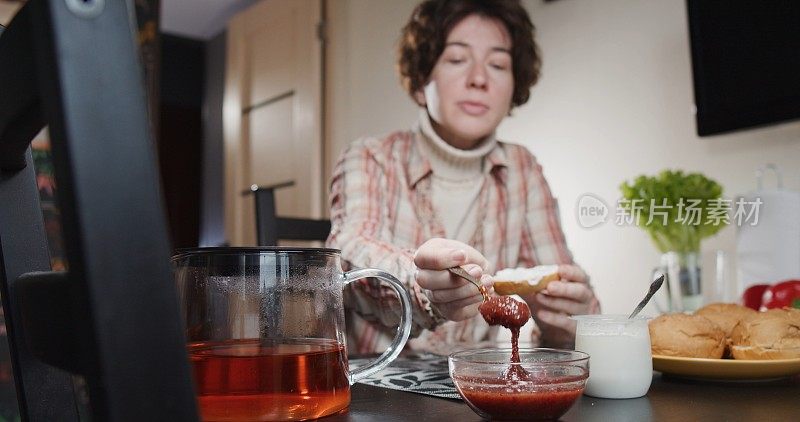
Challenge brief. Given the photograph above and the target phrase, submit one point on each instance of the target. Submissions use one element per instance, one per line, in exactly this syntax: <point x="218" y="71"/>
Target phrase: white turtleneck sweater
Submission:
<point x="456" y="180"/>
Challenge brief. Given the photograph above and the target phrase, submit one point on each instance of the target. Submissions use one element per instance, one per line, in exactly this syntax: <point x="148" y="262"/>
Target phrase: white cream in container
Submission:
<point x="620" y="360"/>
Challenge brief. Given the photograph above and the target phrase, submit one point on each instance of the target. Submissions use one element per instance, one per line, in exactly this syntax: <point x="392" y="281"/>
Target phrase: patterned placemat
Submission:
<point x="424" y="374"/>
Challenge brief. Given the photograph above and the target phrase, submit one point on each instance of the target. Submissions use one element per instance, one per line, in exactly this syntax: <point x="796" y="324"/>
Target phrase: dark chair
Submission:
<point x="270" y="228"/>
<point x="103" y="340"/>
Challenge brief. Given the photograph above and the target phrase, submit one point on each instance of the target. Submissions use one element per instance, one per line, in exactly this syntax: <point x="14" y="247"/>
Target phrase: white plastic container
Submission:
<point x="620" y="360"/>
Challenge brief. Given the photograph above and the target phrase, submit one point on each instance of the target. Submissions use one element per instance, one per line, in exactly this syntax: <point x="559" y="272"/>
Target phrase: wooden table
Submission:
<point x="669" y="399"/>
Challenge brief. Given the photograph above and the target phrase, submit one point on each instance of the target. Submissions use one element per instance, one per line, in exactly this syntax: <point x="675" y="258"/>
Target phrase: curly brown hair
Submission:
<point x="424" y="36"/>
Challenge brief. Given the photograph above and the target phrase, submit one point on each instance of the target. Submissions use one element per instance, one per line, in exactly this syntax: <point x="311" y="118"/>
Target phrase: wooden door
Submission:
<point x="273" y="112"/>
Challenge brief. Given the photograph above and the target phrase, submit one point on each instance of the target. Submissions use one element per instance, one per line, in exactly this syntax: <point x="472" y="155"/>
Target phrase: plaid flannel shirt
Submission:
<point x="381" y="211"/>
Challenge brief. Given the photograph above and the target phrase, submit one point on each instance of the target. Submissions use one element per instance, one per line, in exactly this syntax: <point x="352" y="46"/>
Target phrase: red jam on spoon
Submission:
<point x="505" y="311"/>
<point x="511" y="314"/>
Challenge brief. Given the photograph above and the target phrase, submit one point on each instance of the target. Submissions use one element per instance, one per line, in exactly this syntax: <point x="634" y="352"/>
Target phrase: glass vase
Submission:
<point x="682" y="290"/>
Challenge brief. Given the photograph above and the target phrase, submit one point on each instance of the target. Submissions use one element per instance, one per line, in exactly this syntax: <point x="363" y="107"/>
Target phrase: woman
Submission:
<point x="448" y="193"/>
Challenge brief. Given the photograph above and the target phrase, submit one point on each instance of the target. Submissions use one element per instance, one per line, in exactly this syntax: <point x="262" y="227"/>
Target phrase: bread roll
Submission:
<point x="682" y="335"/>
<point x="774" y="334"/>
<point x="726" y="315"/>
<point x="524" y="281"/>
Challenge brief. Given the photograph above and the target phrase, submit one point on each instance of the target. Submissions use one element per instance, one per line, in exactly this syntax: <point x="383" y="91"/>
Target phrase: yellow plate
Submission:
<point x="726" y="369"/>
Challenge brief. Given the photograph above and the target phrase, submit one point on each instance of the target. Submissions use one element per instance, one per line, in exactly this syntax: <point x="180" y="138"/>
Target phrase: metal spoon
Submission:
<point x="465" y="275"/>
<point x="653" y="289"/>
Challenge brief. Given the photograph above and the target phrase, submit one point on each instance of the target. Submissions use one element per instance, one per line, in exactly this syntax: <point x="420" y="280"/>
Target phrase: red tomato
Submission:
<point x="785" y="293"/>
<point x="752" y="296"/>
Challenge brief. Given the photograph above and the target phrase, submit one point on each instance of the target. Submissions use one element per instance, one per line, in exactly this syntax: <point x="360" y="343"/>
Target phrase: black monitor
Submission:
<point x="745" y="62"/>
<point x="104" y="339"/>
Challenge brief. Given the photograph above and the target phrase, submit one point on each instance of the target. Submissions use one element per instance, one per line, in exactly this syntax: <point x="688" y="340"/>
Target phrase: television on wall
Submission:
<point x="745" y="63"/>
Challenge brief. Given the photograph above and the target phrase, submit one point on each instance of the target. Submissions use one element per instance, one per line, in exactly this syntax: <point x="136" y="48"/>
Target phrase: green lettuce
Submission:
<point x="688" y="208"/>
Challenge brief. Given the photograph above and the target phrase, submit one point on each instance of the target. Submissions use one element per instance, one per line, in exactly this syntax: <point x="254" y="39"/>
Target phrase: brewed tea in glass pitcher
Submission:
<point x="266" y="331"/>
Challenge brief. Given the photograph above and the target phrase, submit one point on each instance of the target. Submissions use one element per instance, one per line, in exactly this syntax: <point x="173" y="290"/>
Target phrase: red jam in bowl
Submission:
<point x="493" y="399"/>
<point x="551" y="383"/>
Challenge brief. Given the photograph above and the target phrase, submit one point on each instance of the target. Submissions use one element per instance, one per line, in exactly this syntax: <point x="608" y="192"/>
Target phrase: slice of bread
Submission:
<point x="726" y="315"/>
<point x="774" y="334"/>
<point x="762" y="353"/>
<point x="691" y="336"/>
<point x="524" y="281"/>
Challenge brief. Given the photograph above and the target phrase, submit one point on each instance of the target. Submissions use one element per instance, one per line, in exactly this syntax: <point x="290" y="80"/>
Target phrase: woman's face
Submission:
<point x="471" y="85"/>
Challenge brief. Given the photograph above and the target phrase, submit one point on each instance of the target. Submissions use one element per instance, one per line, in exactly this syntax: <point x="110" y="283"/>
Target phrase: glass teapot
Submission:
<point x="266" y="331"/>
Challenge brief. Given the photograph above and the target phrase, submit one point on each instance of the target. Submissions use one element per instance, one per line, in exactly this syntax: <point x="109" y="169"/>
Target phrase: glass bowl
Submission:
<point x="543" y="386"/>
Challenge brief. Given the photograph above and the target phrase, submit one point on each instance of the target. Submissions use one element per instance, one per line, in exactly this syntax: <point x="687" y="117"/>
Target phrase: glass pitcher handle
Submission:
<point x="403" y="330"/>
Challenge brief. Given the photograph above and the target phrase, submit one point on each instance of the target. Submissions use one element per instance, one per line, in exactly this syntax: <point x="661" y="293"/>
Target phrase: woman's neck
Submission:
<point x="451" y="138"/>
<point x="447" y="160"/>
<point x="454" y="140"/>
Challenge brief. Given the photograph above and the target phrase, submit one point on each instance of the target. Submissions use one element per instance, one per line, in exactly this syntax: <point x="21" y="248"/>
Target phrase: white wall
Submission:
<point x="614" y="102"/>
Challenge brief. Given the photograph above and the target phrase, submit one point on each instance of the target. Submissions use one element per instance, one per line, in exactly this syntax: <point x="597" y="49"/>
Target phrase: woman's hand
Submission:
<point x="552" y="307"/>
<point x="452" y="296"/>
